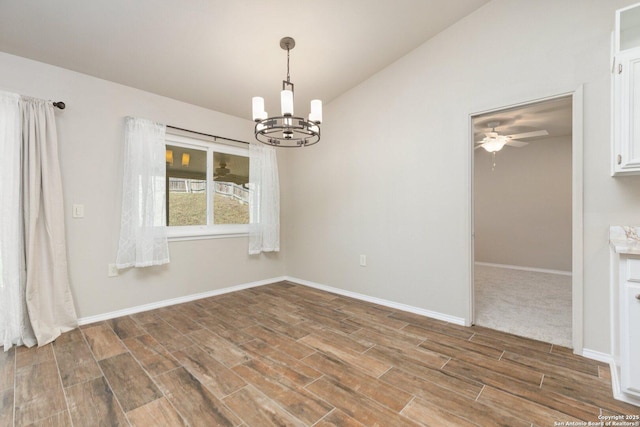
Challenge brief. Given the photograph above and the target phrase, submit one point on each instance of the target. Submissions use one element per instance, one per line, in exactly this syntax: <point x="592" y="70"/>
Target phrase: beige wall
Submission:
<point x="523" y="207"/>
<point x="391" y="176"/>
<point x="91" y="142"/>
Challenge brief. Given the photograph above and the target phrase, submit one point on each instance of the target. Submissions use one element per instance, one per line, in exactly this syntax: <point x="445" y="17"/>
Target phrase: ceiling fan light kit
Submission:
<point x="287" y="130"/>
<point x="493" y="142"/>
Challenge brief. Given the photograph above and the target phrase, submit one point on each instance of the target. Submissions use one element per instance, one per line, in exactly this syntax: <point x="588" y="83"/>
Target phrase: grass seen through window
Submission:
<point x="190" y="209"/>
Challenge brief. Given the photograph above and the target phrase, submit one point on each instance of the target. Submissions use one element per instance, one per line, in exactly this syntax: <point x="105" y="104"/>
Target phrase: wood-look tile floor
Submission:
<point x="288" y="355"/>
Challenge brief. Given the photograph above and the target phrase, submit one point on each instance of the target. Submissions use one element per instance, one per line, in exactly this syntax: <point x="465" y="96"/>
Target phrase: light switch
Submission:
<point x="112" y="270"/>
<point x="363" y="260"/>
<point x="78" y="211"/>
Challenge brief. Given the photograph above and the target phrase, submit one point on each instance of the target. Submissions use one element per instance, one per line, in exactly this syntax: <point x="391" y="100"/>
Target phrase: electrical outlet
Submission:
<point x="112" y="270"/>
<point x="363" y="260"/>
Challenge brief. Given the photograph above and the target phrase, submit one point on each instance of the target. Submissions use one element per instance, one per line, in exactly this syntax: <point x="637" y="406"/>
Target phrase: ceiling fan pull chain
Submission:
<point x="493" y="167"/>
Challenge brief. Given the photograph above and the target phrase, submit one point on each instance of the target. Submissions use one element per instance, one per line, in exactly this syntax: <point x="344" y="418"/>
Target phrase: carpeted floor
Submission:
<point x="525" y="303"/>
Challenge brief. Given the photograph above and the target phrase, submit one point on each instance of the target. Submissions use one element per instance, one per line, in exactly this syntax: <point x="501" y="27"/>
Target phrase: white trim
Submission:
<point x="519" y="267"/>
<point x="173" y="301"/>
<point x="577" y="221"/>
<point x="399" y="306"/>
<point x="471" y="179"/>
<point x="176" y="233"/>
<point x="577" y="208"/>
<point x="187" y="298"/>
<point x="614" y="260"/>
<point x="597" y="355"/>
<point x="199" y="232"/>
<point x="615" y="375"/>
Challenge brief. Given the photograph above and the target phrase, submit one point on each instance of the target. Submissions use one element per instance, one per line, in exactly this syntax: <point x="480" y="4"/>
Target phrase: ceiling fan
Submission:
<point x="493" y="142"/>
<point x="221" y="171"/>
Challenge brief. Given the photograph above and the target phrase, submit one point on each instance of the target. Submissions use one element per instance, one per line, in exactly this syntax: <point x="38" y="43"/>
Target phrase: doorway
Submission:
<point x="524" y="211"/>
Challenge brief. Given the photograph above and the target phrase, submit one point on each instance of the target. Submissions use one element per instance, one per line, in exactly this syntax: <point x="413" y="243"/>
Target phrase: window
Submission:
<point x="207" y="188"/>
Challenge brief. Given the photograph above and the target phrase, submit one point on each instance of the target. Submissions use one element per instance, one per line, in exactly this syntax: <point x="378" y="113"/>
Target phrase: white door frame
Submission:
<point x="577" y="255"/>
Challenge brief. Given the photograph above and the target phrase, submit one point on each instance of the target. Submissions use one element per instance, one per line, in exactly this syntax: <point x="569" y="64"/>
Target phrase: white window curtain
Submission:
<point x="264" y="227"/>
<point x="143" y="231"/>
<point x="36" y="305"/>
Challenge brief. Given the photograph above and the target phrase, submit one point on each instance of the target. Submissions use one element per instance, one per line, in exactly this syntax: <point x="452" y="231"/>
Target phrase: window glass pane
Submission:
<point x="187" y="186"/>
<point x="231" y="196"/>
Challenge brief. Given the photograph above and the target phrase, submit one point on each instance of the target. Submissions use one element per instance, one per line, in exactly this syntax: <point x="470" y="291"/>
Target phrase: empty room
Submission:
<point x="267" y="213"/>
<point x="522" y="220"/>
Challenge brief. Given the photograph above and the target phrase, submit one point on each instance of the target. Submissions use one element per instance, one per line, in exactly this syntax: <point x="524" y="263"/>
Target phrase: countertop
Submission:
<point x="625" y="239"/>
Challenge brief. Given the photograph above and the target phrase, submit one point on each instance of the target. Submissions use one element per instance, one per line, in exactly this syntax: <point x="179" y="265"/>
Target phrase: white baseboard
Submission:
<point x="399" y="306"/>
<point x="187" y="298"/>
<point x="173" y="301"/>
<point x="518" y="267"/>
<point x="597" y="355"/>
<point x="615" y="375"/>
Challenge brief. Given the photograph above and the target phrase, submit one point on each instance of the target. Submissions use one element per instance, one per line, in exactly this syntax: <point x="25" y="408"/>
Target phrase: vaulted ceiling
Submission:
<point x="220" y="53"/>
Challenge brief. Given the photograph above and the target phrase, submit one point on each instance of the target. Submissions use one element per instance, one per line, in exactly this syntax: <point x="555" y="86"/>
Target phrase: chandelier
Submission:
<point x="287" y="130"/>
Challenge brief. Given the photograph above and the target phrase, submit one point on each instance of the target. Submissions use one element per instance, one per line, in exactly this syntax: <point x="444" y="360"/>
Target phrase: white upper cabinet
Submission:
<point x="628" y="28"/>
<point x="626" y="92"/>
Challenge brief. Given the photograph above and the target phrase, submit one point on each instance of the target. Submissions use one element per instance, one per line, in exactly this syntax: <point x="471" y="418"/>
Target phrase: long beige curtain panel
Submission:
<point x="36" y="304"/>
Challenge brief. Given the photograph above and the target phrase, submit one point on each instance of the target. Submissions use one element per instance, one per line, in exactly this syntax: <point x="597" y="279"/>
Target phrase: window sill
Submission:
<point x="177" y="234"/>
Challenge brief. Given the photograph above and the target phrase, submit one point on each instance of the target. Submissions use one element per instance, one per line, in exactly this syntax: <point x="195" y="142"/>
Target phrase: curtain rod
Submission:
<point x="207" y="134"/>
<point x="61" y="105"/>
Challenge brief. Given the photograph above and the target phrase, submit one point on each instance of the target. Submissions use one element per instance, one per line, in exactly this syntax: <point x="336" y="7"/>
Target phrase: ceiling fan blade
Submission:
<point x="529" y="134"/>
<point x="477" y="146"/>
<point x="516" y="143"/>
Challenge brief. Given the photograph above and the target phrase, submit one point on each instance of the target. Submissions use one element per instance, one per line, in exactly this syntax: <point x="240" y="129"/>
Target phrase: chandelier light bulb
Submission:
<point x="286" y="101"/>
<point x="257" y="103"/>
<point x="315" y="115"/>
